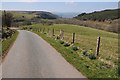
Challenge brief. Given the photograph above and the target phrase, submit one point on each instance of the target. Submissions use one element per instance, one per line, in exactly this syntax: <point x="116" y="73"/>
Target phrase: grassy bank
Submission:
<point x="8" y="42"/>
<point x="104" y="67"/>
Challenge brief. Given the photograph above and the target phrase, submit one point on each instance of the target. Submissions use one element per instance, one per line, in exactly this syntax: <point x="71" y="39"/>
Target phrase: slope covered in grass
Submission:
<point x="100" y="15"/>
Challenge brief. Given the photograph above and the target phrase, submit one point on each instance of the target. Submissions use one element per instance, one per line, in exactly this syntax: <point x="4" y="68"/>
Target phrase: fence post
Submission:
<point x="73" y="38"/>
<point x="98" y="46"/>
<point x="61" y="34"/>
<point x="53" y="32"/>
<point x="48" y="32"/>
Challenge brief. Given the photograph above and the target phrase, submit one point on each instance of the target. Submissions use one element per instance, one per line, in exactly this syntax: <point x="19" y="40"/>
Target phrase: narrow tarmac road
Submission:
<point x="32" y="57"/>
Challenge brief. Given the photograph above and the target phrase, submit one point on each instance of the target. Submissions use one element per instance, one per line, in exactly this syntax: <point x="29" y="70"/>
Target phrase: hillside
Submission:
<point x="35" y="14"/>
<point x="99" y="15"/>
<point x="45" y="15"/>
<point x="30" y="15"/>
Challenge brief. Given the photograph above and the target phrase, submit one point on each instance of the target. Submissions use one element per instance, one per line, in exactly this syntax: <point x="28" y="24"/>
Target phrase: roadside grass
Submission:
<point x="8" y="42"/>
<point x="104" y="67"/>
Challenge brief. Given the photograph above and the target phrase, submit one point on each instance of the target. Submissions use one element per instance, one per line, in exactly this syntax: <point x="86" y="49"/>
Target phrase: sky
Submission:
<point x="75" y="6"/>
<point x="60" y="0"/>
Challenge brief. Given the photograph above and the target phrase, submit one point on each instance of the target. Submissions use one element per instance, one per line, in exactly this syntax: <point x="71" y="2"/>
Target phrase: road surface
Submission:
<point x="32" y="57"/>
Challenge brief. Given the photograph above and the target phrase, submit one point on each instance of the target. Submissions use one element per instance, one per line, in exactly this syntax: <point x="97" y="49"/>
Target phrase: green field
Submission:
<point x="103" y="67"/>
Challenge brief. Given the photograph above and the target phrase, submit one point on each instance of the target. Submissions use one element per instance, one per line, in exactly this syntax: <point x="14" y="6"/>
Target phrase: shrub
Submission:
<point x="61" y="42"/>
<point x="118" y="70"/>
<point x="89" y="53"/>
<point x="45" y="33"/>
<point x="75" y="48"/>
<point x="53" y="34"/>
<point x="58" y="37"/>
<point x="92" y="56"/>
<point x="30" y="28"/>
<point x="87" y="66"/>
<point x="66" y="44"/>
<point x="85" y="52"/>
<point x="7" y="33"/>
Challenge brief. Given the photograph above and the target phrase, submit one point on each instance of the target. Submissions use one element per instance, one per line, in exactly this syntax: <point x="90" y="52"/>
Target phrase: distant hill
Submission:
<point x="44" y="15"/>
<point x="30" y="15"/>
<point x="99" y="15"/>
<point x="38" y="14"/>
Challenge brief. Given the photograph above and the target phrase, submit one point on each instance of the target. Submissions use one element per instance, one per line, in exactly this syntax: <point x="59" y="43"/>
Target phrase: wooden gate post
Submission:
<point x="73" y="38"/>
<point x="98" y="46"/>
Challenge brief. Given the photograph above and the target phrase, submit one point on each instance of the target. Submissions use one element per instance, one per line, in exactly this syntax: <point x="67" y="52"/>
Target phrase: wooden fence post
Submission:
<point x="98" y="46"/>
<point x="53" y="32"/>
<point x="73" y="38"/>
<point x="48" y="32"/>
<point x="61" y="34"/>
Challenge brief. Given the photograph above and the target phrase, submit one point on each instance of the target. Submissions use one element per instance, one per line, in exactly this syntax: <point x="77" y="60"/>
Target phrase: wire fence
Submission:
<point x="102" y="47"/>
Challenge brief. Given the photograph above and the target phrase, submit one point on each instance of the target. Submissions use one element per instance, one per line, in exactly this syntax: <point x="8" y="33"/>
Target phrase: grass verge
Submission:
<point x="92" y="69"/>
<point x="104" y="67"/>
<point x="7" y="43"/>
